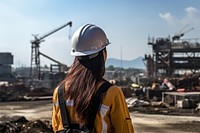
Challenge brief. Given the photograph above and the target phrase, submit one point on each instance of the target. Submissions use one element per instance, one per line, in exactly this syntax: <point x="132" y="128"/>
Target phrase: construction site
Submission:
<point x="34" y="81"/>
<point x="169" y="86"/>
<point x="175" y="63"/>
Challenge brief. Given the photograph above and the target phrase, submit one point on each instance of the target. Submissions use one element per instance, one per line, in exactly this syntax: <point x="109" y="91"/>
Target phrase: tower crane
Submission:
<point x="181" y="33"/>
<point x="35" y="52"/>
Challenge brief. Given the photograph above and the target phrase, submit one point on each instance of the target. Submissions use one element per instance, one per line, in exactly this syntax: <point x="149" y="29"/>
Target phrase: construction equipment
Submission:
<point x="181" y="33"/>
<point x="35" y="53"/>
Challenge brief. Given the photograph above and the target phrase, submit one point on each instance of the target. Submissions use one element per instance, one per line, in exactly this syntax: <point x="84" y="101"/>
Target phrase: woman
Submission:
<point x="84" y="79"/>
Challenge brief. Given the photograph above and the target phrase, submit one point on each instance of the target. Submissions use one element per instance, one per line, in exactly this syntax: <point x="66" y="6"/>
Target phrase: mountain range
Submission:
<point x="135" y="63"/>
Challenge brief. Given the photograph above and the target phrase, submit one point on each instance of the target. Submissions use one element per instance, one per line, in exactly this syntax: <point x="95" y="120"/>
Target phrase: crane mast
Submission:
<point x="35" y="52"/>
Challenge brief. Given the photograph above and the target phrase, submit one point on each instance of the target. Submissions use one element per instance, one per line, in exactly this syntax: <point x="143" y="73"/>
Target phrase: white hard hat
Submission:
<point x="88" y="40"/>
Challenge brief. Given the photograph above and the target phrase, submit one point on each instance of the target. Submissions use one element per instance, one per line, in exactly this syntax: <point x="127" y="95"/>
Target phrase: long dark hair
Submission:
<point x="80" y="83"/>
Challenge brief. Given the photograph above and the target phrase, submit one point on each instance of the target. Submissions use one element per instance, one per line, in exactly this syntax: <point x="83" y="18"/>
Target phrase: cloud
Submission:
<point x="168" y="17"/>
<point x="192" y="11"/>
<point x="192" y="17"/>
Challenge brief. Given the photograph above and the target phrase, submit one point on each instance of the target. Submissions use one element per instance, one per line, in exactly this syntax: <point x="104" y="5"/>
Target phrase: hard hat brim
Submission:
<point x="85" y="53"/>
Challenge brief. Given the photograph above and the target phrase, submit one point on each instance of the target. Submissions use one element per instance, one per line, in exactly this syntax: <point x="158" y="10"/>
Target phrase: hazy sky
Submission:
<point x="127" y="23"/>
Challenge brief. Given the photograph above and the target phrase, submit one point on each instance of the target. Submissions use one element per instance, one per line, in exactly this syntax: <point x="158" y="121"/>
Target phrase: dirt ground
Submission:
<point x="152" y="123"/>
<point x="143" y="123"/>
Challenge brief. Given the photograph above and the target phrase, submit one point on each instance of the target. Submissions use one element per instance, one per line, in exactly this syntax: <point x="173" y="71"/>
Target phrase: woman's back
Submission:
<point x="113" y="115"/>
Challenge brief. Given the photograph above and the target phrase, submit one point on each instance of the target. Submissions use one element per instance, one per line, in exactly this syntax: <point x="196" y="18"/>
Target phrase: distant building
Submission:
<point x="116" y="75"/>
<point x="6" y="60"/>
<point x="22" y="72"/>
<point x="109" y="74"/>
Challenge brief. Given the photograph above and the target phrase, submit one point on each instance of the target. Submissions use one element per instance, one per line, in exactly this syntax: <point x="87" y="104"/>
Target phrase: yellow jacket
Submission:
<point x="113" y="115"/>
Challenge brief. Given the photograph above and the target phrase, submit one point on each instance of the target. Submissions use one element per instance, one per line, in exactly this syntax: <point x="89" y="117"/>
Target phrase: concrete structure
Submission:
<point x="5" y="69"/>
<point x="179" y="97"/>
<point x="6" y="60"/>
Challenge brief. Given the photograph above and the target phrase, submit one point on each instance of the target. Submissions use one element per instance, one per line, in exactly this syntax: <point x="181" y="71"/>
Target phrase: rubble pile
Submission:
<point x="19" y="124"/>
<point x="18" y="92"/>
<point x="13" y="92"/>
<point x="188" y="82"/>
<point x="153" y="107"/>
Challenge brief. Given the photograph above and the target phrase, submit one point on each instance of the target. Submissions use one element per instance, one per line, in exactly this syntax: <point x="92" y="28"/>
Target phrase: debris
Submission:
<point x="19" y="124"/>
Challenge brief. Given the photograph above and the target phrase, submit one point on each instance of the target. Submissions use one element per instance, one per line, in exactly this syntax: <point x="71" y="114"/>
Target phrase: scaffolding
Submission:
<point x="173" y="56"/>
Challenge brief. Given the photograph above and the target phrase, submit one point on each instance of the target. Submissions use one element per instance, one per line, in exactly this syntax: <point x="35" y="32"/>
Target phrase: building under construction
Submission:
<point x="173" y="56"/>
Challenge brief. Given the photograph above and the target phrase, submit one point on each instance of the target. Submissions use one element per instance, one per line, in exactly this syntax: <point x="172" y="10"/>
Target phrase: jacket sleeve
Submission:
<point x="55" y="117"/>
<point x="120" y="117"/>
